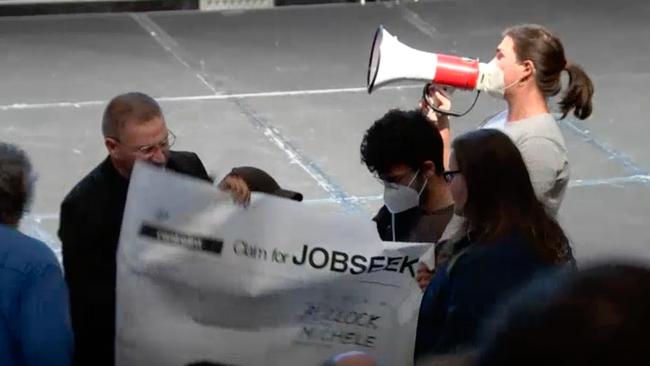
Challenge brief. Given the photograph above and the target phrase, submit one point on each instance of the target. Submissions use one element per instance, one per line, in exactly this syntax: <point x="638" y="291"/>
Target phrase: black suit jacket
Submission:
<point x="89" y="229"/>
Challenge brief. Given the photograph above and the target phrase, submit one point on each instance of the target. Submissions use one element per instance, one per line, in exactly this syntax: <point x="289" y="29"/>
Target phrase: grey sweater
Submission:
<point x="542" y="146"/>
<point x="543" y="149"/>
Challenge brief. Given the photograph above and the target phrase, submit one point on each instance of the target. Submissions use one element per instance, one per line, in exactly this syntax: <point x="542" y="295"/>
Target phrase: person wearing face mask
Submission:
<point x="526" y="72"/>
<point x="510" y="239"/>
<point x="405" y="152"/>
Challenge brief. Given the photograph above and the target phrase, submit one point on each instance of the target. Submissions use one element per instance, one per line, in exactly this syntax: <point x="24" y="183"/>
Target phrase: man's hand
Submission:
<point x="423" y="276"/>
<point x="441" y="100"/>
<point x="238" y="189"/>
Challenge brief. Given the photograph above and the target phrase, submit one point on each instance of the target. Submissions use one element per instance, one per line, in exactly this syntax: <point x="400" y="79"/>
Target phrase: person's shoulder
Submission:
<point x="543" y="125"/>
<point x="23" y="253"/>
<point x="88" y="186"/>
<point x="382" y="221"/>
<point x="382" y="215"/>
<point x="492" y="264"/>
<point x="542" y="146"/>
<point x="495" y="118"/>
<point x="540" y="140"/>
<point x="502" y="250"/>
<point x="189" y="163"/>
<point x="184" y="157"/>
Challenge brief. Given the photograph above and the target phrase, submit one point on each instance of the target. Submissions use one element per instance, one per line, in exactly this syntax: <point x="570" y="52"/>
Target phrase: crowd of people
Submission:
<point x="500" y="282"/>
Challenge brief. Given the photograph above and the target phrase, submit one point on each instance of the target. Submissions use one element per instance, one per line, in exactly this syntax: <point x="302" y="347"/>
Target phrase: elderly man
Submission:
<point x="134" y="129"/>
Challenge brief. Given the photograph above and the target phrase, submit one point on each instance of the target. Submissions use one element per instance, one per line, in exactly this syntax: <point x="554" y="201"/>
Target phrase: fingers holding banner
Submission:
<point x="278" y="283"/>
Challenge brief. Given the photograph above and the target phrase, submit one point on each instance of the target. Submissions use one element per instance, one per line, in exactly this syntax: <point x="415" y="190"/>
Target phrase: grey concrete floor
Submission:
<point x="283" y="89"/>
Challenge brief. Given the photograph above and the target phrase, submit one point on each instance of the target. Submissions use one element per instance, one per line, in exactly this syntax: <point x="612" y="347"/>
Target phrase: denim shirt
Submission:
<point x="35" y="325"/>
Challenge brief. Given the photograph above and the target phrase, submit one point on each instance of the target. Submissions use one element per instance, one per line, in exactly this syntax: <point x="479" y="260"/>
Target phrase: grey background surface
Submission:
<point x="283" y="89"/>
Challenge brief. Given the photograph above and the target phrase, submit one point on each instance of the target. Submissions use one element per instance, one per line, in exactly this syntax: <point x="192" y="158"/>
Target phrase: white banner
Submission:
<point x="200" y="279"/>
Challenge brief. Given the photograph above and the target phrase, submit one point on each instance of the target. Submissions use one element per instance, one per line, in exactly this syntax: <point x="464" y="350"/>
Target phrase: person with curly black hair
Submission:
<point x="405" y="152"/>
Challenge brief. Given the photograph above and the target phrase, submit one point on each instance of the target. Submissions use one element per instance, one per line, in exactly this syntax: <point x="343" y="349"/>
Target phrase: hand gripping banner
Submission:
<point x="201" y="280"/>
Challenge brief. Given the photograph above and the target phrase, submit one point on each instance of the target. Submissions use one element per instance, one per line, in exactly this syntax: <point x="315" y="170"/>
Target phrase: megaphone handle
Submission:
<point x="447" y="90"/>
<point x="431" y="88"/>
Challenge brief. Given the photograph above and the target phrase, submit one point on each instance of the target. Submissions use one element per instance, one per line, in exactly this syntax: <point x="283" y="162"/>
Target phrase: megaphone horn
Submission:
<point x="392" y="61"/>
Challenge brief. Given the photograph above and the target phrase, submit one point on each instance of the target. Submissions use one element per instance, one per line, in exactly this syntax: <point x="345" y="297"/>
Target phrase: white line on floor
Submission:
<point x="271" y="94"/>
<point x="644" y="179"/>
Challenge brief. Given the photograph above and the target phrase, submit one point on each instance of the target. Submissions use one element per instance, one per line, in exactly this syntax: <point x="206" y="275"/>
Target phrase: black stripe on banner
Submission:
<point x="193" y="242"/>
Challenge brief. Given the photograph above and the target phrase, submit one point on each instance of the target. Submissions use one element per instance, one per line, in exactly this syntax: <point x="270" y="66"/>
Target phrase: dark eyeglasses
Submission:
<point x="449" y="175"/>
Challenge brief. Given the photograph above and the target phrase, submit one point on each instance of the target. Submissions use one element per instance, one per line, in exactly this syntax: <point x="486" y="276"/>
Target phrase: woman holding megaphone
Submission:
<point x="530" y="61"/>
<point x="526" y="71"/>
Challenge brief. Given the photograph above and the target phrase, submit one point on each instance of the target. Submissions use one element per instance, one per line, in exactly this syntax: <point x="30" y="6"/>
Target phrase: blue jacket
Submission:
<point x="34" y="319"/>
<point x="461" y="297"/>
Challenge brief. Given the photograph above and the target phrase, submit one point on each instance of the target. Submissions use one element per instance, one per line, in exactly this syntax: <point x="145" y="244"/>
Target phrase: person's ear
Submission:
<point x="428" y="169"/>
<point x="112" y="146"/>
<point x="529" y="70"/>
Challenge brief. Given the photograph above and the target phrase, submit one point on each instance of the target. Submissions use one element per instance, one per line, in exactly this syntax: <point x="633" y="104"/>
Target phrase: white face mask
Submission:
<point x="399" y="198"/>
<point x="492" y="80"/>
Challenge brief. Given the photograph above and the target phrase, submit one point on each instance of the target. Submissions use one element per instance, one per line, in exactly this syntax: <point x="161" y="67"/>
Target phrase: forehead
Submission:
<point x="144" y="133"/>
<point x="398" y="170"/>
<point x="453" y="165"/>
<point x="507" y="45"/>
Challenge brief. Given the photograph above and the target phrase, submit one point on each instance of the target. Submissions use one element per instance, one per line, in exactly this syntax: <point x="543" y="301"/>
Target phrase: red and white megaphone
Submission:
<point x="392" y="61"/>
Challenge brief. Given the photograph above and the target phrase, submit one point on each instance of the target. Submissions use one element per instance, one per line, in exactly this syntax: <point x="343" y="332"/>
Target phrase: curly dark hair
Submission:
<point x="15" y="183"/>
<point x="401" y="137"/>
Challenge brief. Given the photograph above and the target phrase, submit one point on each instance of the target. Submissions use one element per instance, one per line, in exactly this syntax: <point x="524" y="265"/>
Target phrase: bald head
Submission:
<point x="134" y="129"/>
<point x="134" y="107"/>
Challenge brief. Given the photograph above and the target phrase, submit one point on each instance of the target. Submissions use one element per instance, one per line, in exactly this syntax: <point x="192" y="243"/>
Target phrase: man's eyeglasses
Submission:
<point x="148" y="150"/>
<point x="449" y="175"/>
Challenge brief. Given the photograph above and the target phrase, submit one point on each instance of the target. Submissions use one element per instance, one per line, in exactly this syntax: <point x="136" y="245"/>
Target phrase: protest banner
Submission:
<point x="201" y="279"/>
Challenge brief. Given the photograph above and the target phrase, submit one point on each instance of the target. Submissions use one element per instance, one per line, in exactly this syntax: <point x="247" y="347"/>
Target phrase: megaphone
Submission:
<point x="392" y="61"/>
